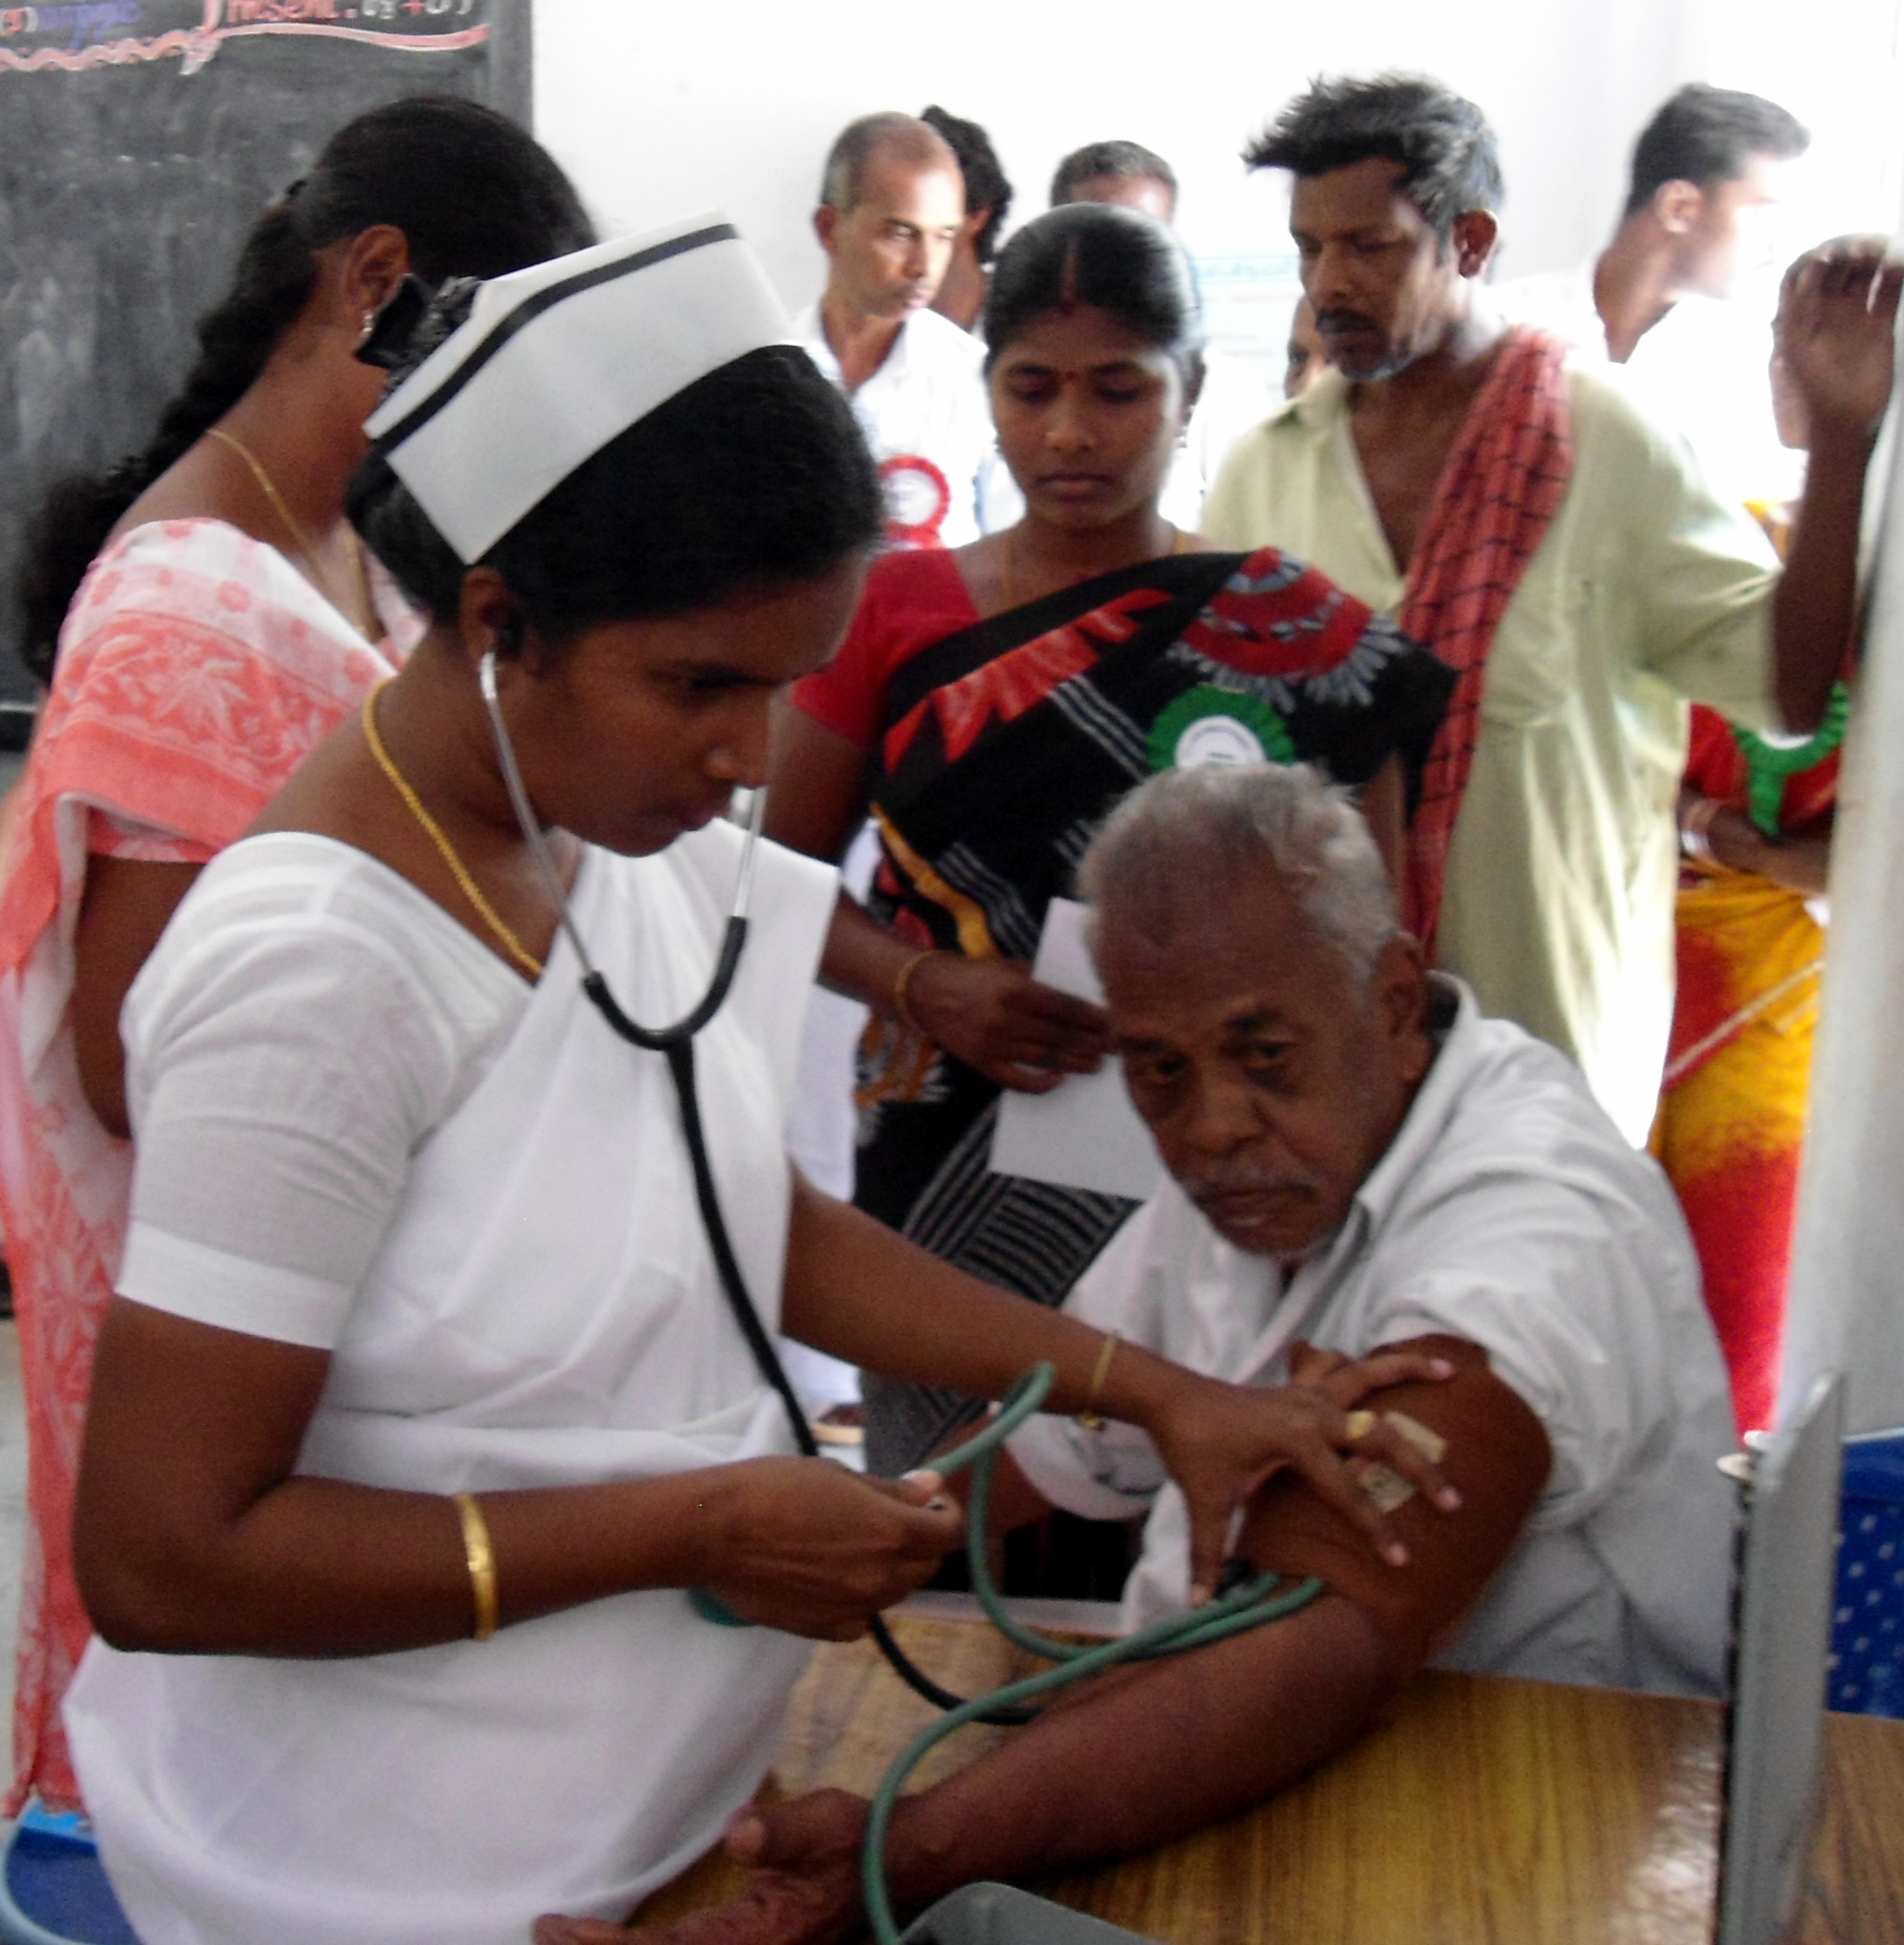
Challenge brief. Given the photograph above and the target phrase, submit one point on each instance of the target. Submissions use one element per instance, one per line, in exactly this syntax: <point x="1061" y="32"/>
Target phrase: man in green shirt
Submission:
<point x="1532" y="527"/>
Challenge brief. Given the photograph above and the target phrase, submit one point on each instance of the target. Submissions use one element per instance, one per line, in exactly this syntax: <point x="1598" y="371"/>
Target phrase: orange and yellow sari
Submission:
<point x="1737" y="1086"/>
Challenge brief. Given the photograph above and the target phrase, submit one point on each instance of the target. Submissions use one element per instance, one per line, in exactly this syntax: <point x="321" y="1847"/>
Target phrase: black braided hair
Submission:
<point x="473" y="193"/>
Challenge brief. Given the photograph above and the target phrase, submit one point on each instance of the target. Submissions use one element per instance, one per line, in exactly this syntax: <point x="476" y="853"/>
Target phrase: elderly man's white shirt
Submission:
<point x="1507" y="1211"/>
<point x="924" y="413"/>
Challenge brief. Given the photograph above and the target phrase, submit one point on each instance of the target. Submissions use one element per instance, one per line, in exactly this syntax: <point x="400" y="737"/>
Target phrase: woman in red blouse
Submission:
<point x="991" y="704"/>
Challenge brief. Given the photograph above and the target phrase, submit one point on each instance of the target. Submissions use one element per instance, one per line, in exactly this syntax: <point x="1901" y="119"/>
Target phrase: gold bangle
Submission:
<point x="1090" y="1417"/>
<point x="901" y="1007"/>
<point x="481" y="1558"/>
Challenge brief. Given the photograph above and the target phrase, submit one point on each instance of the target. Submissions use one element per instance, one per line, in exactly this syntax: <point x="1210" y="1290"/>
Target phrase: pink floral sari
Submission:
<point x="197" y="669"/>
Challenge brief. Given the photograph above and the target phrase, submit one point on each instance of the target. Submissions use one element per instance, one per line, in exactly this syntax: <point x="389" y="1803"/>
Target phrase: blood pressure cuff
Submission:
<point x="1495" y="1454"/>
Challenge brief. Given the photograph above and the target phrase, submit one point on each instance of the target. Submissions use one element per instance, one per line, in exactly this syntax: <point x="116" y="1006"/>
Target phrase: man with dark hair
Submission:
<point x="1708" y="171"/>
<point x="1708" y="137"/>
<point x="988" y="201"/>
<point x="1125" y="173"/>
<point x="1566" y="558"/>
<point x="891" y="204"/>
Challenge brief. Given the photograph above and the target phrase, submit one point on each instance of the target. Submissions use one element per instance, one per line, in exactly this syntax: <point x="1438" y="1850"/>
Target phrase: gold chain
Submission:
<point x="1009" y="577"/>
<point x="269" y="490"/>
<point x="510" y="944"/>
<point x="268" y="487"/>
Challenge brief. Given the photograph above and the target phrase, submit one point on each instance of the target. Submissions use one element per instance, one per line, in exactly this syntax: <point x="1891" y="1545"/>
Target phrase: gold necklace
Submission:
<point x="434" y="831"/>
<point x="268" y="487"/>
<point x="1009" y="579"/>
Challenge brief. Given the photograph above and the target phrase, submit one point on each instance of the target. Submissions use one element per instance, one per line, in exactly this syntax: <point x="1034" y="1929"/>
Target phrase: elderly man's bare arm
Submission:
<point x="1149" y="1754"/>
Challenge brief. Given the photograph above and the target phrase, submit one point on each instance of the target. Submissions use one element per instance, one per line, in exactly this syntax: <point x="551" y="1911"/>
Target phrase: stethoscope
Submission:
<point x="1241" y="1604"/>
<point x="676" y="1046"/>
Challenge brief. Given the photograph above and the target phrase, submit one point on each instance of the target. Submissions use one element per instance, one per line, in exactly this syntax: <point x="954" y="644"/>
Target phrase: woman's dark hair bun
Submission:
<point x="474" y="194"/>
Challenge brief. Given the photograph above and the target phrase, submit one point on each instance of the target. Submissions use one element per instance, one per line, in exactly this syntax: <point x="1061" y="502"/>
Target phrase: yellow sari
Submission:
<point x="1731" y="1125"/>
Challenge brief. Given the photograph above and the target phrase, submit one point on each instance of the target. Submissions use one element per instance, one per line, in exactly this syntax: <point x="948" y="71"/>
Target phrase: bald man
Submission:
<point x="891" y="204"/>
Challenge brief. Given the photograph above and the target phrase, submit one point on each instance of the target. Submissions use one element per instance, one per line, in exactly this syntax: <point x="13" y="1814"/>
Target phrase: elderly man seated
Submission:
<point x="1359" y="1159"/>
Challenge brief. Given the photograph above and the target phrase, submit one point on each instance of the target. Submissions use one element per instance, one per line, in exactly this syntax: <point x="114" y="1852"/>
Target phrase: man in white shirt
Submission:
<point x="891" y="202"/>
<point x="1360" y="1160"/>
<point x="1232" y="397"/>
<point x="1662" y="299"/>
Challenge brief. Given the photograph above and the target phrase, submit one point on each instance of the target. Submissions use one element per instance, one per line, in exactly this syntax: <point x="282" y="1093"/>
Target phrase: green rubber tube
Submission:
<point x="1262" y="1600"/>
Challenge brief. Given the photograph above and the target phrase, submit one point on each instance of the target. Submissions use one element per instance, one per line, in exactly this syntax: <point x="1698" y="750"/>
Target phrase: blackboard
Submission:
<point x="139" y="139"/>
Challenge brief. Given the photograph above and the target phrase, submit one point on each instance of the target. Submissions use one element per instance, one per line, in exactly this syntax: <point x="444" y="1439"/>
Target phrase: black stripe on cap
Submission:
<point x="530" y="309"/>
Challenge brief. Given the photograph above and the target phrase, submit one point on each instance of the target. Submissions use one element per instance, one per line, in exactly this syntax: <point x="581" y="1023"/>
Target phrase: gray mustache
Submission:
<point x="1244" y="1178"/>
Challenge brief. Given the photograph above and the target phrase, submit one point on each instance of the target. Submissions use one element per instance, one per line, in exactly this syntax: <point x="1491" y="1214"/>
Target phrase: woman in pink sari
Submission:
<point x="228" y="621"/>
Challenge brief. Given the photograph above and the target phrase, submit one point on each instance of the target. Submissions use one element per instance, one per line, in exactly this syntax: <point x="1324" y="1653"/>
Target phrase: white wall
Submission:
<point x="1847" y="1275"/>
<point x="659" y="111"/>
<point x="1847" y="1310"/>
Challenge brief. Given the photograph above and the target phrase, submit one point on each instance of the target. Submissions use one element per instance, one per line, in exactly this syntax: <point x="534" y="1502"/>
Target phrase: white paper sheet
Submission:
<point x="1084" y="1133"/>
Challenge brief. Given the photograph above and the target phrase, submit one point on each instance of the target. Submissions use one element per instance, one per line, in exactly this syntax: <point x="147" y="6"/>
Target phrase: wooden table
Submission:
<point x="1486" y="1812"/>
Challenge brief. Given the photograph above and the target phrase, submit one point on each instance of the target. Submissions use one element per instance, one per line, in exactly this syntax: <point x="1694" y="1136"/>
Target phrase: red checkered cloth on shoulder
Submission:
<point x="1502" y="483"/>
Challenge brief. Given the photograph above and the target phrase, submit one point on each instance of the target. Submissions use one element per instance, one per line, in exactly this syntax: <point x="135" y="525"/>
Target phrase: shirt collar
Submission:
<point x="900" y="357"/>
<point x="1326" y="401"/>
<point x="811" y="332"/>
<point x="1434" y="1103"/>
<point x="1584" y="329"/>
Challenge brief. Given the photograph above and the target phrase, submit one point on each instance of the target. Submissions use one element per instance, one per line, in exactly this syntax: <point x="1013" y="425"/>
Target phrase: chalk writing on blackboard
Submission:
<point x="66" y="35"/>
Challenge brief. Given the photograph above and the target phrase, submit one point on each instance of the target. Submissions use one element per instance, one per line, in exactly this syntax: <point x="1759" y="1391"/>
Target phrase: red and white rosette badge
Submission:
<point x="918" y="498"/>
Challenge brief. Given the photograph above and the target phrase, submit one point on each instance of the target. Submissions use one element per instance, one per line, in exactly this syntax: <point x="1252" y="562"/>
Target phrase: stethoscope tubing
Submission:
<point x="676" y="1045"/>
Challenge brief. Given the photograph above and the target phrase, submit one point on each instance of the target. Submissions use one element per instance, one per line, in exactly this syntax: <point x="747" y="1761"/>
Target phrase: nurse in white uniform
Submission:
<point x="421" y="1407"/>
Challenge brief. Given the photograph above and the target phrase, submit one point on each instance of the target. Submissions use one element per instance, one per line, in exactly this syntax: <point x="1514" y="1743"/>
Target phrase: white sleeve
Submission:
<point x="1566" y="1292"/>
<point x="1113" y="1474"/>
<point x="280" y="1071"/>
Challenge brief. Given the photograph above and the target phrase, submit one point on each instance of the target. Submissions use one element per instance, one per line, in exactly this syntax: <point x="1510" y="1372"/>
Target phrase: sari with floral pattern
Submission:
<point x="197" y="669"/>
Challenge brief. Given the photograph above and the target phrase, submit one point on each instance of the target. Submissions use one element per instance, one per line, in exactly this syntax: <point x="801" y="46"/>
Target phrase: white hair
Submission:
<point x="1178" y="848"/>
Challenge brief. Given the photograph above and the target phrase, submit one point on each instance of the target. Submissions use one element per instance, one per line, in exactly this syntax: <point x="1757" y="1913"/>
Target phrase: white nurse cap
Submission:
<point x="554" y="362"/>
